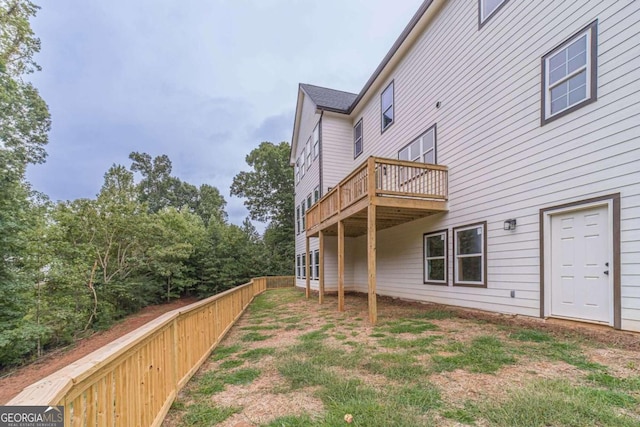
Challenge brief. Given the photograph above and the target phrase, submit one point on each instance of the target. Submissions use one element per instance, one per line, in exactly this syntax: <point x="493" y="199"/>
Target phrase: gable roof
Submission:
<point x="344" y="102"/>
<point x="329" y="99"/>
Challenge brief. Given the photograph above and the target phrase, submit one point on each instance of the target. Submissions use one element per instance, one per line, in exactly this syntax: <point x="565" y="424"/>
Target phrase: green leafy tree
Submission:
<point x="269" y="193"/>
<point x="24" y="125"/>
<point x="176" y="236"/>
<point x="156" y="182"/>
<point x="211" y="204"/>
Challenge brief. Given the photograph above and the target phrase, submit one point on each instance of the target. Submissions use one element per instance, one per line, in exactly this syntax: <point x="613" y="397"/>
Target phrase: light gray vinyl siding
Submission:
<point x="337" y="138"/>
<point x="308" y="121"/>
<point x="502" y="163"/>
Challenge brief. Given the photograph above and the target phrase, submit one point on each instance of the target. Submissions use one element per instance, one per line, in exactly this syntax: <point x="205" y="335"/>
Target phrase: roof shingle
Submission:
<point x="329" y="99"/>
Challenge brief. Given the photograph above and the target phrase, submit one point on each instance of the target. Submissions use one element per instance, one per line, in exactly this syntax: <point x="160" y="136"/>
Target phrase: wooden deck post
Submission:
<point x="371" y="258"/>
<point x="371" y="239"/>
<point x="340" y="265"/>
<point x="321" y="267"/>
<point x="307" y="275"/>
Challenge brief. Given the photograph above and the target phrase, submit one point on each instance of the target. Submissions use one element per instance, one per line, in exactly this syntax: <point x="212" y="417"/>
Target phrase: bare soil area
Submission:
<point x="12" y="383"/>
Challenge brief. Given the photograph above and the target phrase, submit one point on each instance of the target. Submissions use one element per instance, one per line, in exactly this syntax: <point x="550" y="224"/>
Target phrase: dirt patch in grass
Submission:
<point x="460" y="385"/>
<point x="628" y="362"/>
<point x="316" y="364"/>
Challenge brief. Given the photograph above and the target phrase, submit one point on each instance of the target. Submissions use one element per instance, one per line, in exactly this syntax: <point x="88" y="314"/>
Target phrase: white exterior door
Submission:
<point x="581" y="265"/>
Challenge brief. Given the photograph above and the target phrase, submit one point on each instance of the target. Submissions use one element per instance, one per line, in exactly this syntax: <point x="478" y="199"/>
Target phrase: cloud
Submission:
<point x="276" y="128"/>
<point x="203" y="81"/>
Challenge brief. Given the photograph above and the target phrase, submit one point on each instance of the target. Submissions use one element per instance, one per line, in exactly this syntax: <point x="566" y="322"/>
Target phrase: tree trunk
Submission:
<point x="94" y="312"/>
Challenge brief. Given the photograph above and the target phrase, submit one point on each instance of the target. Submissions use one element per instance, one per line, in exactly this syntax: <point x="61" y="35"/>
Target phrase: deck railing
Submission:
<point x="393" y="178"/>
<point x="134" y="380"/>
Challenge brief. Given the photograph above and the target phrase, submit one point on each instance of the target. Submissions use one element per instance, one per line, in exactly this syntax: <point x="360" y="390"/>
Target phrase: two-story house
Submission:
<point x="492" y="161"/>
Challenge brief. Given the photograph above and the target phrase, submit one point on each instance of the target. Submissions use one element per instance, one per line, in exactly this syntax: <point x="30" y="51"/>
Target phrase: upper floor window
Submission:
<point x="303" y="210"/>
<point x="316" y="194"/>
<point x="298" y="220"/>
<point x="386" y="100"/>
<point x="569" y="75"/>
<point x="357" y="139"/>
<point x="488" y="8"/>
<point x="309" y="153"/>
<point x="421" y="149"/>
<point x="316" y="141"/>
<point x="297" y="170"/>
<point x="303" y="169"/>
<point x="309" y="201"/>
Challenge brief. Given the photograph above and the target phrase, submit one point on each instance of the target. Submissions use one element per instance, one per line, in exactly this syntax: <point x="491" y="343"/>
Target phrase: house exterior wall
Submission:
<point x="309" y="119"/>
<point x="337" y="132"/>
<point x="502" y="163"/>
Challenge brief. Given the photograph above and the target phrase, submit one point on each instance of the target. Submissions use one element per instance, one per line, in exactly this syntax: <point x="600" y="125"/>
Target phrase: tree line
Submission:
<point x="71" y="267"/>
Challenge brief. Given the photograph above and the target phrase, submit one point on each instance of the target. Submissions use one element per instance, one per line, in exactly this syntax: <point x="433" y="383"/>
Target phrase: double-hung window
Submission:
<point x="303" y="210"/>
<point x="316" y="141"/>
<point x="298" y="263"/>
<point x="304" y="265"/>
<point x="488" y="8"/>
<point x="387" y="106"/>
<point x="303" y="169"/>
<point x="421" y="149"/>
<point x="297" y="170"/>
<point x="309" y="159"/>
<point x="316" y="194"/>
<point x="309" y="201"/>
<point x="435" y="257"/>
<point x="316" y="264"/>
<point x="569" y="75"/>
<point x="298" y="220"/>
<point x="470" y="252"/>
<point x="357" y="139"/>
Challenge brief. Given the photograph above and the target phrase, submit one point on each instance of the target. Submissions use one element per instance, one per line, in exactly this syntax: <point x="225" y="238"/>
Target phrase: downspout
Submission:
<point x="320" y="158"/>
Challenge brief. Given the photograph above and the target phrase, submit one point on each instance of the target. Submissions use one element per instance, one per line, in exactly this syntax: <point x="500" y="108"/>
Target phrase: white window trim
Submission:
<point x="482" y="17"/>
<point x="483" y="255"/>
<point x="309" y="158"/>
<point x="422" y="150"/>
<point x="591" y="73"/>
<point x="316" y="264"/>
<point x="297" y="219"/>
<point x="445" y="235"/>
<point x="316" y="194"/>
<point x="303" y="212"/>
<point x="303" y="169"/>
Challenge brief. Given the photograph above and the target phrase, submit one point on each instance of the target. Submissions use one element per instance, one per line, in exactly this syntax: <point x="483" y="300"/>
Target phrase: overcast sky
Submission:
<point x="203" y="81"/>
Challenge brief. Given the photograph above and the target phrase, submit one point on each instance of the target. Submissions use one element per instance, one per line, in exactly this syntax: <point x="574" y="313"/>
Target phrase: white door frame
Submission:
<point x="546" y="218"/>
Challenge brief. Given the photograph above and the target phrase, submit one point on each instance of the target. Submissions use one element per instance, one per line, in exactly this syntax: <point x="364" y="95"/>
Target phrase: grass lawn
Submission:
<point x="291" y="362"/>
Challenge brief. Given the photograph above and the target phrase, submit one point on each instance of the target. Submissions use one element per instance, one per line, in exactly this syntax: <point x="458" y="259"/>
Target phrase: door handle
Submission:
<point x="606" y="272"/>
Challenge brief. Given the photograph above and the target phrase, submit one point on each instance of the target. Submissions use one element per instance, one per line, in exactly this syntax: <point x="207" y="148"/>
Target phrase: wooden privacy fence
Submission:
<point x="133" y="380"/>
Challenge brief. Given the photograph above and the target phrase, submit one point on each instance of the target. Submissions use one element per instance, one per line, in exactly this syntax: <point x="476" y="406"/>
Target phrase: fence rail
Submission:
<point x="133" y="380"/>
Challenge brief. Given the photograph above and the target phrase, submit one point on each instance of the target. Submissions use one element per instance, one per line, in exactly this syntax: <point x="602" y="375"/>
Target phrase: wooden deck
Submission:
<point x="401" y="191"/>
<point x="379" y="194"/>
